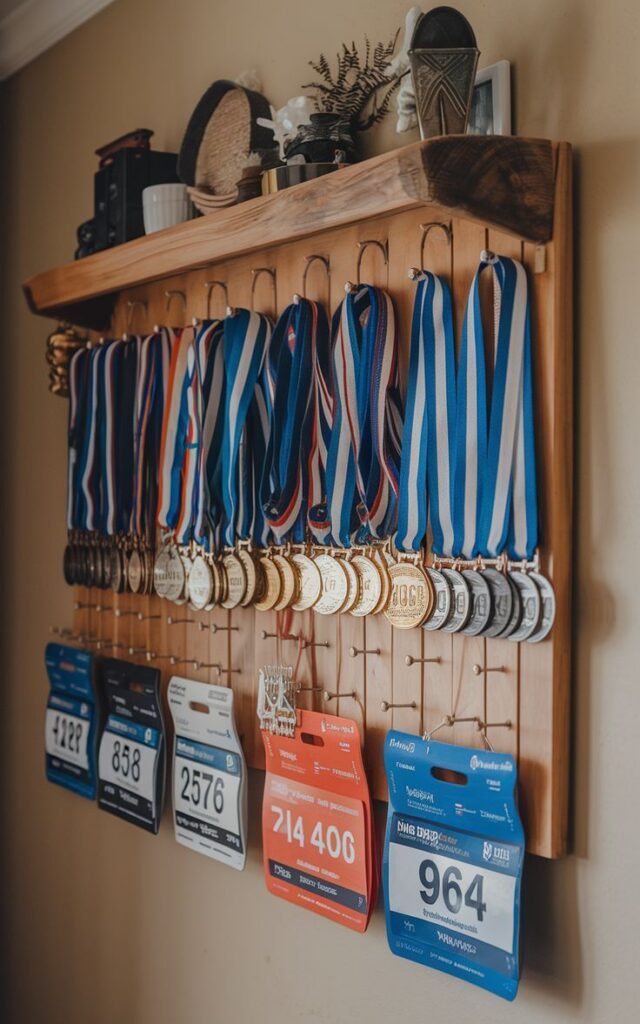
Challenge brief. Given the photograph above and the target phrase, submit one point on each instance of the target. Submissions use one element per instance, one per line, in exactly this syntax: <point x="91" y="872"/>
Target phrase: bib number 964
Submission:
<point x="452" y="892"/>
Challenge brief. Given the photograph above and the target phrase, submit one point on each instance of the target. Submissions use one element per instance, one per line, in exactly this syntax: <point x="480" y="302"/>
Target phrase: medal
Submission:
<point x="135" y="572"/>
<point x="251" y="574"/>
<point x="383" y="559"/>
<point x="370" y="580"/>
<point x="200" y="583"/>
<point x="335" y="584"/>
<point x="442" y="600"/>
<point x="548" y="614"/>
<point x="353" y="584"/>
<point x="272" y="581"/>
<point x="236" y="580"/>
<point x="175" y="577"/>
<point x="531" y="603"/>
<point x="310" y="582"/>
<point x="412" y="595"/>
<point x="501" y="599"/>
<point x="481" y="604"/>
<point x="290" y="582"/>
<point x="460" y="601"/>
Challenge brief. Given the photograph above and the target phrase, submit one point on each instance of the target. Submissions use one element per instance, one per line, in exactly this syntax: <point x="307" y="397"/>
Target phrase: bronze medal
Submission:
<point x="236" y="580"/>
<point x="411" y="597"/>
<point x="335" y="584"/>
<point x="272" y="585"/>
<point x="370" y="585"/>
<point x="310" y="582"/>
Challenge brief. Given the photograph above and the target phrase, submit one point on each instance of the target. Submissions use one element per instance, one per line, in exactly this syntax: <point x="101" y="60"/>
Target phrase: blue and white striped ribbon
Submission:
<point x="78" y="377"/>
<point x="175" y="427"/>
<point x="426" y="475"/>
<point x="364" y="454"/>
<point x="246" y="338"/>
<point x="495" y="485"/>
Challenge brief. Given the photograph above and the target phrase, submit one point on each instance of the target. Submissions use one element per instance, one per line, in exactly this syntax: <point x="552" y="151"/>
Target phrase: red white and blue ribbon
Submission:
<point x="364" y="455"/>
<point x="293" y="473"/>
<point x="246" y="409"/>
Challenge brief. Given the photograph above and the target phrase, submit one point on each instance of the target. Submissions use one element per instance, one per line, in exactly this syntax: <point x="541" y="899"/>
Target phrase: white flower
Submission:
<point x="285" y="122"/>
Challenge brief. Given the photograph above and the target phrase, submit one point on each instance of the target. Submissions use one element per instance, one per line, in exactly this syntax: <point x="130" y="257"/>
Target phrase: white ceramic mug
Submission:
<point x="163" y="206"/>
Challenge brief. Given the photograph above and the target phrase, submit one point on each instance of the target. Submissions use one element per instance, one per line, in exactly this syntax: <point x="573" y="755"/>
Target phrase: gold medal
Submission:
<point x="290" y="582"/>
<point x="310" y="582"/>
<point x="236" y="580"/>
<point x="160" y="572"/>
<point x="175" y="577"/>
<point x="335" y="584"/>
<point x="353" y="591"/>
<point x="370" y="588"/>
<point x="249" y="565"/>
<point x="272" y="585"/>
<point x="383" y="559"/>
<point x="411" y="597"/>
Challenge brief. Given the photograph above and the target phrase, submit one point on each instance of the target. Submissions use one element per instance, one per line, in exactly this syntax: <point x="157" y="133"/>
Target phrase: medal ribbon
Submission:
<point x="247" y="400"/>
<point x="210" y="382"/>
<point x="293" y="451"/>
<point x="495" y="483"/>
<point x="176" y="427"/>
<point x="428" y="443"/>
<point x="78" y="384"/>
<point x="364" y="454"/>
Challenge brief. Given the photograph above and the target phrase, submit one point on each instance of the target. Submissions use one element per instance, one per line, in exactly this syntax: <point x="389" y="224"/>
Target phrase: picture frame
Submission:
<point x="491" y="101"/>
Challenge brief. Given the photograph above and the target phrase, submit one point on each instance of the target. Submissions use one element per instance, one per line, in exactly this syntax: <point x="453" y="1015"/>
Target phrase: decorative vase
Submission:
<point x="319" y="140"/>
<point x="443" y="82"/>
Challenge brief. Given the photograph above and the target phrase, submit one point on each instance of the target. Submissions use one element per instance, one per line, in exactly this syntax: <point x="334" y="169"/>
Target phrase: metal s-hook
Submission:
<point x="426" y="228"/>
<point x="362" y="248"/>
<point x="314" y="258"/>
<point x="255" y="274"/>
<point x="131" y="305"/>
<point x="210" y="285"/>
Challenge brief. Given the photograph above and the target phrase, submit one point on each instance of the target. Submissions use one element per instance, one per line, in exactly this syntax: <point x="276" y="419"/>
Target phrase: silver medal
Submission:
<point x="160" y="573"/>
<point x="442" y="602"/>
<point x="461" y="601"/>
<point x="531" y="605"/>
<point x="548" y="608"/>
<point x="481" y="604"/>
<point x="200" y="583"/>
<point x="502" y="599"/>
<point x="175" y="578"/>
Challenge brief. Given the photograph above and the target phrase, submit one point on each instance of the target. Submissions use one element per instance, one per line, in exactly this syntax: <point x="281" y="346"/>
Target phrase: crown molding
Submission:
<point x="36" y="25"/>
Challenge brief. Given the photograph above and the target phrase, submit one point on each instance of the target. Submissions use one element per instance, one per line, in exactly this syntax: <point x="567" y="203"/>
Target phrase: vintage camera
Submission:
<point x="127" y="166"/>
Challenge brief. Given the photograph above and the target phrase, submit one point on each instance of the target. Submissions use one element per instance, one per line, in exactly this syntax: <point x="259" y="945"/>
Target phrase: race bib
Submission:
<point x="454" y="850"/>
<point x="209" y="772"/>
<point x="316" y="820"/>
<point x="131" y="760"/>
<point x="71" y="720"/>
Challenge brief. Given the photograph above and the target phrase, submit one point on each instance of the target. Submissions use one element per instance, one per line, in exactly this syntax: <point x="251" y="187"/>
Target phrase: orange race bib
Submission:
<point x="316" y="820"/>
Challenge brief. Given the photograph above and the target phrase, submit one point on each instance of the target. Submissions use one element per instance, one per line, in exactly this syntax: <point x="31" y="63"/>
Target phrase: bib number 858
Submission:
<point x="125" y="762"/>
<point x="450" y="888"/>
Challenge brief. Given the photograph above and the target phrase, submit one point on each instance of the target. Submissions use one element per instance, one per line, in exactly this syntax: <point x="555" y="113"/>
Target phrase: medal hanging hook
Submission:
<point x="132" y="305"/>
<point x="175" y="293"/>
<point x="416" y="272"/>
<point x="255" y="274"/>
<point x="362" y="248"/>
<point x="210" y="285"/>
<point x="309" y="261"/>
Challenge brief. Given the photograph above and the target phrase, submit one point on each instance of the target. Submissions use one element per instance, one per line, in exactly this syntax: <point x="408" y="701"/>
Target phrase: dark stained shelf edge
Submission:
<point x="500" y="181"/>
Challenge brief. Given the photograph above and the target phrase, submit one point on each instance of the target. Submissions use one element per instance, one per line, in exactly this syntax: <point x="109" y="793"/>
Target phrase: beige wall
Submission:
<point x="105" y="924"/>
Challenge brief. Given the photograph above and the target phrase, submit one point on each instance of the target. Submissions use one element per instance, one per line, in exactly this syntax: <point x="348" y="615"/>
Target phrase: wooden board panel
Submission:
<point x="433" y="670"/>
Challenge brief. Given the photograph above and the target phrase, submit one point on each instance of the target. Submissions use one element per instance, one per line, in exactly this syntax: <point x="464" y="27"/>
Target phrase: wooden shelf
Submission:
<point x="497" y="181"/>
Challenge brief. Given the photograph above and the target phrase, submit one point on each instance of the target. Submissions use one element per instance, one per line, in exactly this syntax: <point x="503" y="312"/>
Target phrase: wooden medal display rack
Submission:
<point x="509" y="195"/>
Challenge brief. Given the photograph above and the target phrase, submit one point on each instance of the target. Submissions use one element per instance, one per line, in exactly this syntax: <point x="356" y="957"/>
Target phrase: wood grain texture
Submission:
<point x="493" y="180"/>
<point x="534" y="690"/>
